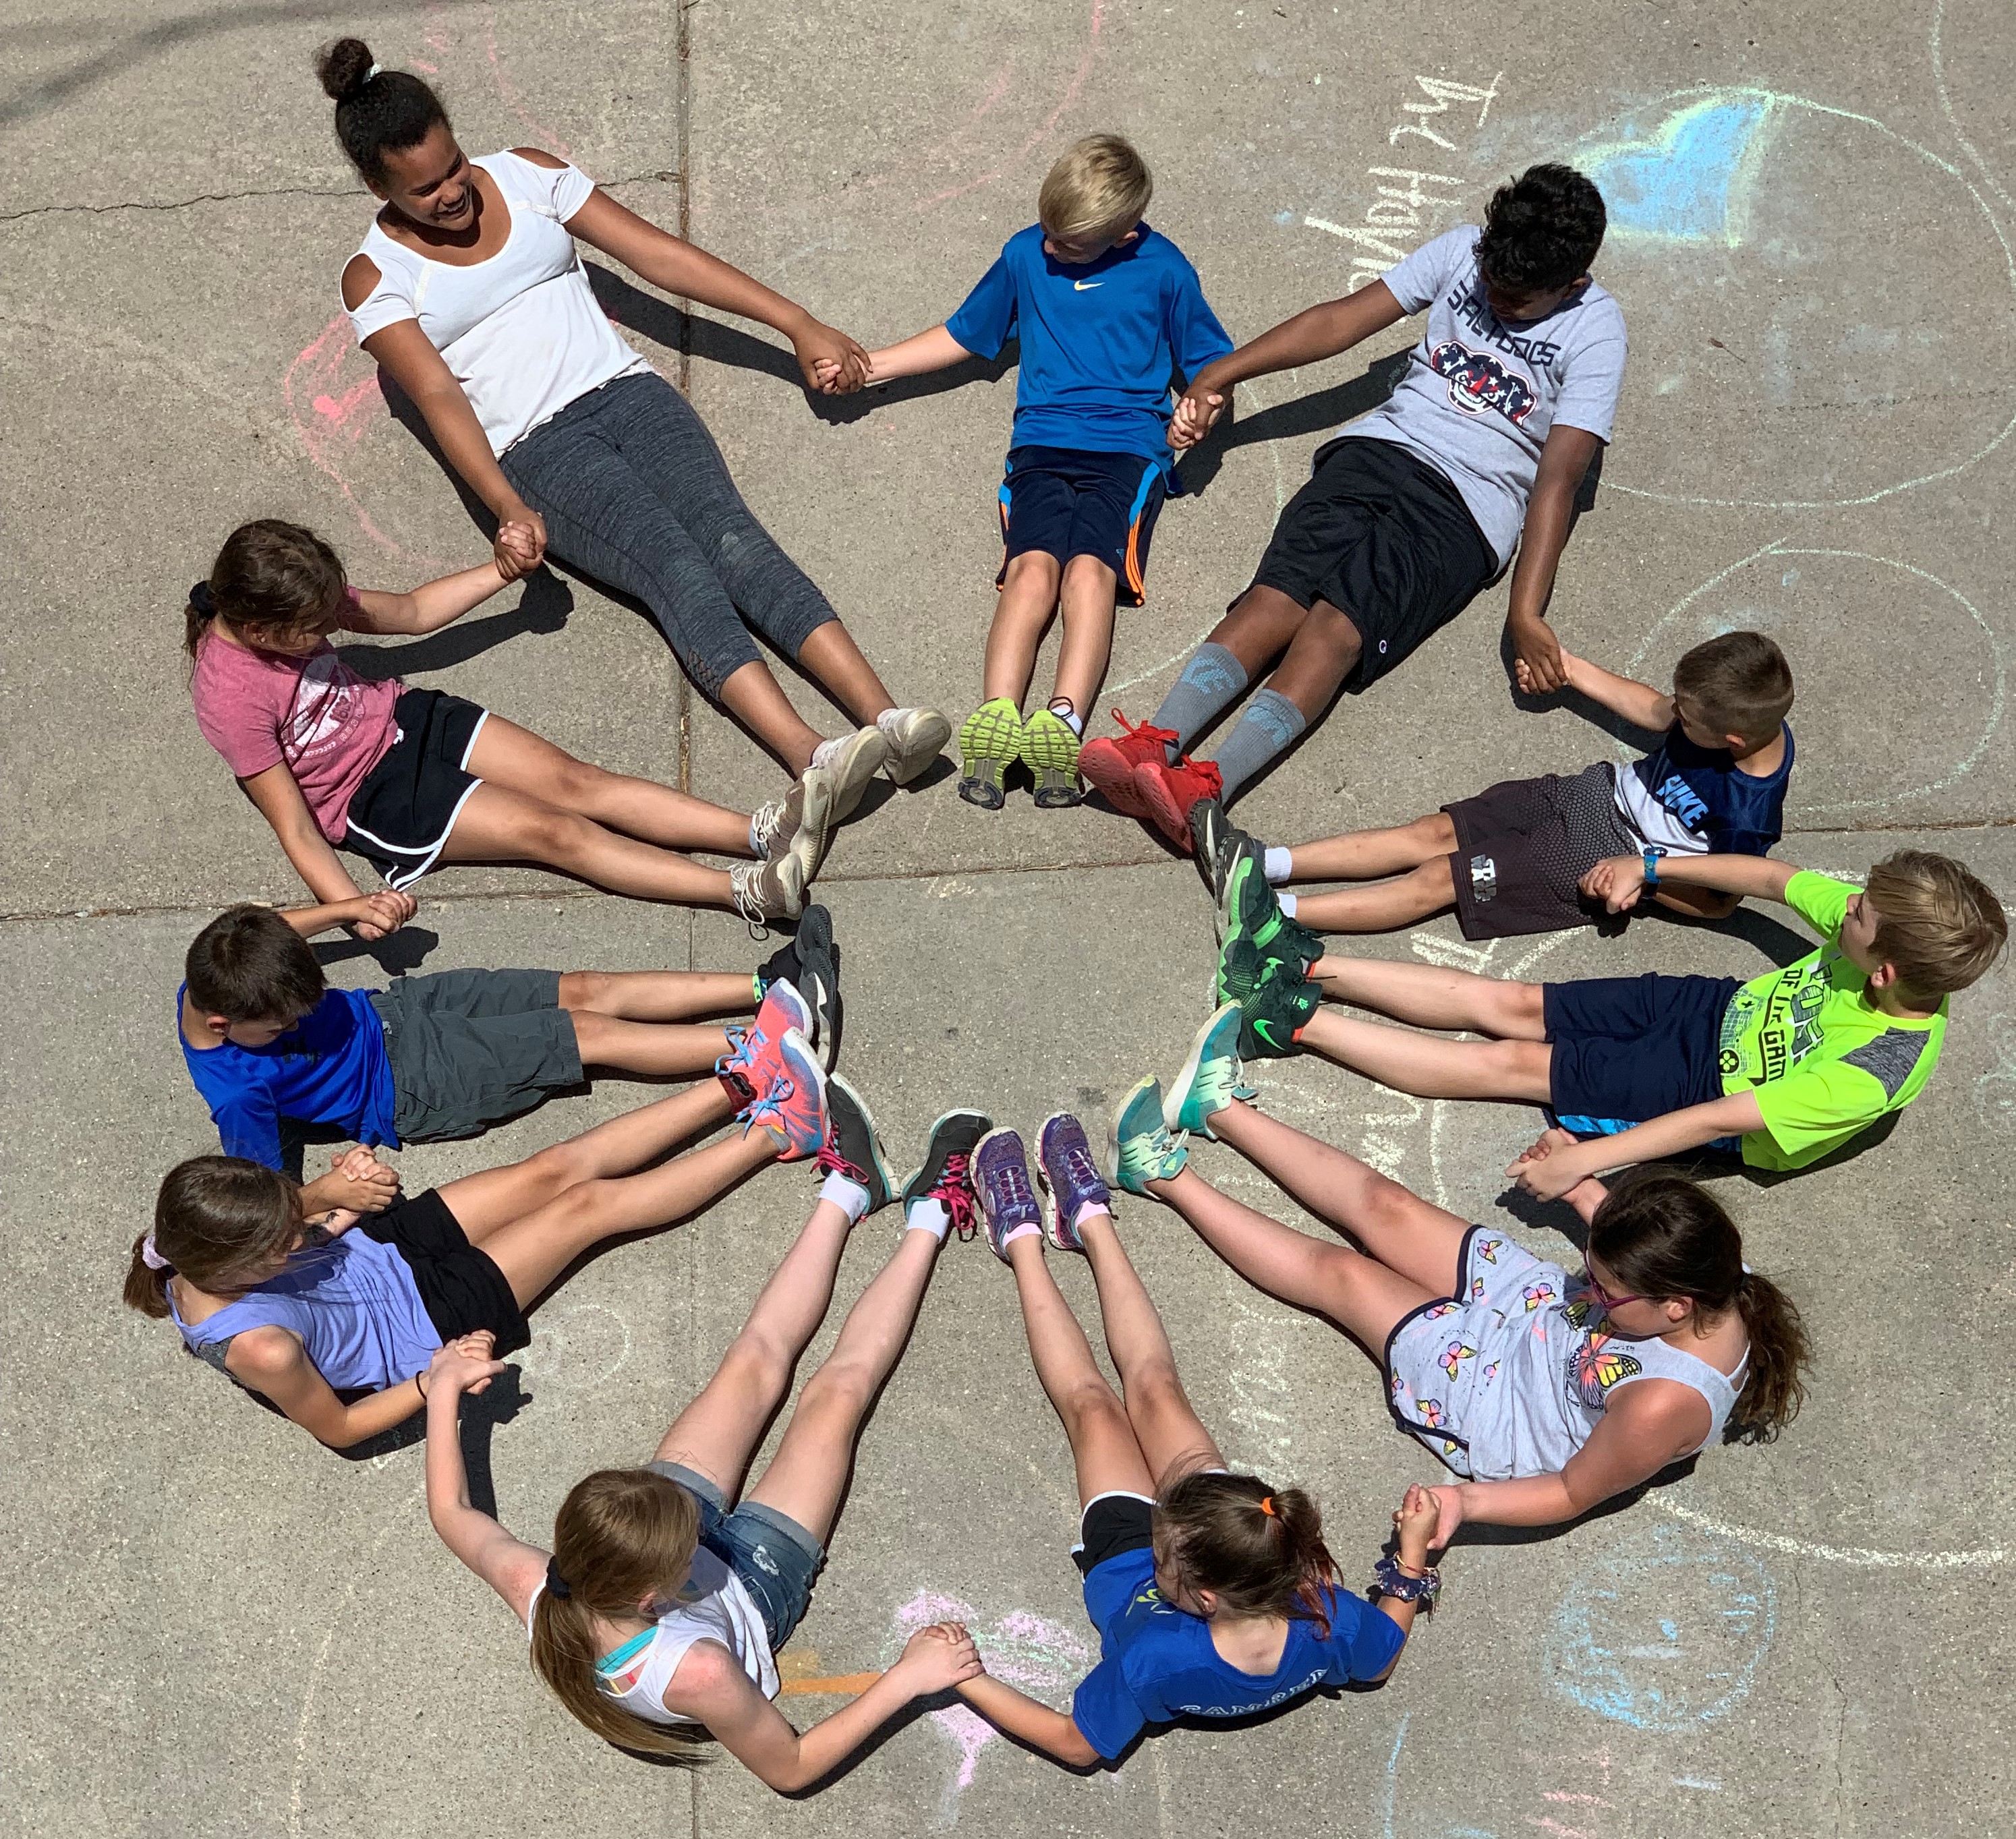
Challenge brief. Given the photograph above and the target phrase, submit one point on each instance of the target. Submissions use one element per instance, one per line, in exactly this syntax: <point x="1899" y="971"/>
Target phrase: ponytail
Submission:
<point x="196" y="617"/>
<point x="1259" y="1550"/>
<point x="621" y="1536"/>
<point x="1775" y="1390"/>
<point x="1668" y="1237"/>
<point x="270" y="576"/>
<point x="147" y="1279"/>
<point x="216" y="1219"/>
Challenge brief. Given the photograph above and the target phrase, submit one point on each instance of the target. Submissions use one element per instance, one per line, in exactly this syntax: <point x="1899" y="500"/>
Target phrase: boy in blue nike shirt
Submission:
<point x="1106" y="308"/>
<point x="1510" y="859"/>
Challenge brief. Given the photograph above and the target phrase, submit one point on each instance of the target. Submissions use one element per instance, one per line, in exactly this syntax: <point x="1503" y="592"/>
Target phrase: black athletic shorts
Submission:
<point x="399" y="817"/>
<point x="1112" y="1525"/>
<point x="1522" y="846"/>
<point x="1062" y="503"/>
<point x="461" y="1288"/>
<point x="1630" y="1048"/>
<point x="1388" y="541"/>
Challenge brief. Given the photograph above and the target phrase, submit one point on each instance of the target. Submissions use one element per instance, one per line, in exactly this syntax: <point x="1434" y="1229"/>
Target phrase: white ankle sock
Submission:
<point x="1287" y="904"/>
<point x="1277" y="867"/>
<point x="929" y="1216"/>
<point x="846" y="1194"/>
<point x="1070" y="717"/>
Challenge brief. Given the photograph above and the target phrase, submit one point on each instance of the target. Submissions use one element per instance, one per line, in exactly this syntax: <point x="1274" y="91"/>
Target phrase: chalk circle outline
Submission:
<point x="1589" y="1674"/>
<point x="1966" y="145"/>
<point x="1782" y="99"/>
<point x="1860" y="1557"/>
<point x="1998" y="699"/>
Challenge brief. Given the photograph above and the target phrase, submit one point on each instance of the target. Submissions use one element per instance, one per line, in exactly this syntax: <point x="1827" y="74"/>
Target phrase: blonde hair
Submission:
<point x="1100" y="187"/>
<point x="621" y="1535"/>
<point x="1936" y="922"/>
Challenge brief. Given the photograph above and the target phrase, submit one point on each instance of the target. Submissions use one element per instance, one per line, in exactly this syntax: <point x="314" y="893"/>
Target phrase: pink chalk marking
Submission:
<point x="422" y="65"/>
<point x="329" y="414"/>
<point x="1022" y="153"/>
<point x="1004" y="80"/>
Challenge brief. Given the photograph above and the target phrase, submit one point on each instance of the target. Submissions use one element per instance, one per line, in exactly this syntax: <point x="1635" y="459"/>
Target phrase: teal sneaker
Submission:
<point x="1209" y="1078"/>
<point x="1139" y="1148"/>
<point x="1276" y="1014"/>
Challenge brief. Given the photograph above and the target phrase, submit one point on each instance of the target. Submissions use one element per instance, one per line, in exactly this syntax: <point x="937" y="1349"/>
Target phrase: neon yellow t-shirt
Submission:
<point x="1824" y="1061"/>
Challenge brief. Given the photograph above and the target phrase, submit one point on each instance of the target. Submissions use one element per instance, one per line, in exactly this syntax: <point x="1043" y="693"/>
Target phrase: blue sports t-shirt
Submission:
<point x="330" y="1067"/>
<point x="1099" y="339"/>
<point x="1156" y="1662"/>
<point x="1685" y="800"/>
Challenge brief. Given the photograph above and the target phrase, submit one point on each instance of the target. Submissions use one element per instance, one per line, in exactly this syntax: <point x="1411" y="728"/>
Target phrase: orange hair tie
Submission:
<point x="1267" y="1506"/>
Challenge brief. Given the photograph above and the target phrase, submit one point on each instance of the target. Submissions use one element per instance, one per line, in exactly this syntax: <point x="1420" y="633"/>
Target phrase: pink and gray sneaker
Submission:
<point x="1071" y="1180"/>
<point x="790" y="1097"/>
<point x="1000" y="1177"/>
<point x="782" y="1008"/>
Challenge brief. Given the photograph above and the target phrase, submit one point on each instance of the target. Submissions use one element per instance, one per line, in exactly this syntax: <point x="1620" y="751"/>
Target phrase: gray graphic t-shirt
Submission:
<point x="1480" y="396"/>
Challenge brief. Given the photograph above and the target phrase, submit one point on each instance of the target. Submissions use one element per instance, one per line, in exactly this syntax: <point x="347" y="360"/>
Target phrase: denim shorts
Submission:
<point x="775" y="1557"/>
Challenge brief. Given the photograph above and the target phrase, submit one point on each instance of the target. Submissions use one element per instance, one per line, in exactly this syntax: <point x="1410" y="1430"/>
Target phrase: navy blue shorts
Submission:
<point x="1630" y="1048"/>
<point x="776" y="1557"/>
<point x="1061" y="502"/>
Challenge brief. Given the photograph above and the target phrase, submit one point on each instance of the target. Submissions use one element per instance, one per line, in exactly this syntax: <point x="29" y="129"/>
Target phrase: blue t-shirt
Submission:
<point x="1099" y="340"/>
<point x="330" y="1067"/>
<point x="1685" y="800"/>
<point x="1156" y="1662"/>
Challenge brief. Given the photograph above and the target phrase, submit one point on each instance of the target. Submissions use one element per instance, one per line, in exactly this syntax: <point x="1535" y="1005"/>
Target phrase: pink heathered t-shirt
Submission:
<point x="327" y="724"/>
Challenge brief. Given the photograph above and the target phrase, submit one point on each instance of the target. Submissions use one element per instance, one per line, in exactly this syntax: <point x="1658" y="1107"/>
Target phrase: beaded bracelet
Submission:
<point x="1390" y="1580"/>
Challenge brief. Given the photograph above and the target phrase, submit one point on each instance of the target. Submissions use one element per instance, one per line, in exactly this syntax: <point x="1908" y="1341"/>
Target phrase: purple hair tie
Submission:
<point x="152" y="1258"/>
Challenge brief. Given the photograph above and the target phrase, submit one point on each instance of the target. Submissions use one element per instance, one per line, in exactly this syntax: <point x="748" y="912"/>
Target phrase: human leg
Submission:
<point x="1362" y="855"/>
<point x="1172" y="1437"/>
<point x="499" y="825"/>
<point x="1085" y="602"/>
<point x="1027" y="601"/>
<point x="808" y="1474"/>
<point x="1428" y="1066"/>
<point x="1430" y="997"/>
<point x="658" y="996"/>
<point x="515" y="758"/>
<point x="1400" y="902"/>
<point x="1403" y="1232"/>
<point x="1360" y="1294"/>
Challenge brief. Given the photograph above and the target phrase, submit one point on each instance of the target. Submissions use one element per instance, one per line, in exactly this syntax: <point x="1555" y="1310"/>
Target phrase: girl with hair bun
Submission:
<point x="1546" y="1392"/>
<point x="470" y="291"/>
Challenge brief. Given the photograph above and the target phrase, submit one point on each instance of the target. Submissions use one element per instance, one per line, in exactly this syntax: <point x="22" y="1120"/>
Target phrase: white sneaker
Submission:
<point x="916" y="737"/>
<point x="852" y="761"/>
<point x="764" y="891"/>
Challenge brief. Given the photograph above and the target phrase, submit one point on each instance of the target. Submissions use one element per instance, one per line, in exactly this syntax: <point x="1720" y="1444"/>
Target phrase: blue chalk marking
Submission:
<point x="1598" y="1654"/>
<point x="1284" y="217"/>
<point x="1393" y="1772"/>
<point x="1689" y="181"/>
<point x="1688" y="1781"/>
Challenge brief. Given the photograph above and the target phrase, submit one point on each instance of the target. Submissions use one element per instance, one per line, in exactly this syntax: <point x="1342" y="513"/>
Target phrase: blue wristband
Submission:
<point x="1651" y="868"/>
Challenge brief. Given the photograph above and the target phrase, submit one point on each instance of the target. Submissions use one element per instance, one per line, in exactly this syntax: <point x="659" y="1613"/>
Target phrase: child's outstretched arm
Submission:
<point x="1548" y="1171"/>
<point x="508" y="1565"/>
<point x="280" y="803"/>
<point x="1054" y="1733"/>
<point x="1618" y="881"/>
<point x="1414" y="1522"/>
<point x="372" y="915"/>
<point x="930" y="350"/>
<point x="1315" y="333"/>
<point x="434" y="604"/>
<point x="1564" y="462"/>
<point x="710" y="1686"/>
<point x="1638" y="704"/>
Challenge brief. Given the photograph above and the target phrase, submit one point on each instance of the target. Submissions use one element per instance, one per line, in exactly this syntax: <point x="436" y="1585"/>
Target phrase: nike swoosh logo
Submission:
<point x="1080" y="287"/>
<point x="1264" y="1030"/>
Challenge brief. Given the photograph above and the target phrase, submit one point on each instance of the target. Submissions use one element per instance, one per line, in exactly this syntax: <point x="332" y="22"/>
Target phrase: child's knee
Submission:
<point x="1031" y="572"/>
<point x="1436" y="831"/>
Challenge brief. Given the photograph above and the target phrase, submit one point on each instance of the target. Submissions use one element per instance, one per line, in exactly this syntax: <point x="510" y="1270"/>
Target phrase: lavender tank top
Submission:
<point x="354" y="1304"/>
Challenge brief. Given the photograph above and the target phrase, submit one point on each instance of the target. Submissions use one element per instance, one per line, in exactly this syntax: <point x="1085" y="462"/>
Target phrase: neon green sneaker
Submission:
<point x="990" y="742"/>
<point x="1276" y="1014"/>
<point x="1139" y="1147"/>
<point x="1050" y="750"/>
<point x="1210" y="1077"/>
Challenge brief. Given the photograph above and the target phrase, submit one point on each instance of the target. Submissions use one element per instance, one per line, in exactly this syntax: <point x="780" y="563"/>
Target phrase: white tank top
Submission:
<point x="712" y="1606"/>
<point x="520" y="330"/>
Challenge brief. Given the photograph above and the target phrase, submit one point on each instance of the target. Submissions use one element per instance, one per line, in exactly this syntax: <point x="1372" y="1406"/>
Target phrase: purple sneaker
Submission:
<point x="1000" y="1177"/>
<point x="1071" y="1178"/>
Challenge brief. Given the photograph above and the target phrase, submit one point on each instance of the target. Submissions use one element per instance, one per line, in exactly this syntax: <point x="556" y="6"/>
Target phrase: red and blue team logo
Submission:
<point x="1478" y="381"/>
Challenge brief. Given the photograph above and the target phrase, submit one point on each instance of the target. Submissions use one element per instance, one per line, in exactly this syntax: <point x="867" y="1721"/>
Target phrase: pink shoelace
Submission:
<point x="955" y="1197"/>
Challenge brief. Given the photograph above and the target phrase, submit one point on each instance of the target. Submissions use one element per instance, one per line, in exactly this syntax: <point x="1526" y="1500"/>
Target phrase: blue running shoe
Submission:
<point x="1140" y="1147"/>
<point x="1071" y="1177"/>
<point x="1001" y="1179"/>
<point x="1210" y="1077"/>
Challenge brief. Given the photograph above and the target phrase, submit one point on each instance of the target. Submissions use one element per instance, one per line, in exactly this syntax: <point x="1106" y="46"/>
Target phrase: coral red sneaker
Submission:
<point x="1168" y="793"/>
<point x="1107" y="765"/>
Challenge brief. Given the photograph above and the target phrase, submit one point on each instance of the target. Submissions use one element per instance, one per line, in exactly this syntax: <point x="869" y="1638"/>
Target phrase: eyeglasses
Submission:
<point x="1604" y="1297"/>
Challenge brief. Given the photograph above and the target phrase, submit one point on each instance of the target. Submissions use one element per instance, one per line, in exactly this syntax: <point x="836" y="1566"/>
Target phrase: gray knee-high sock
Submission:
<point x="1265" y="731"/>
<point x="1212" y="681"/>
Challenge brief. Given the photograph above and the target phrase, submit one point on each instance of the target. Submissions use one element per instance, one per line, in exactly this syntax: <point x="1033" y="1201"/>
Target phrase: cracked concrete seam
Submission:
<point x="171" y="204"/>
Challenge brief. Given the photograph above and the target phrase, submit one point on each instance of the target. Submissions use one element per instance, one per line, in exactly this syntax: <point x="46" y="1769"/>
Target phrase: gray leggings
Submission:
<point x="634" y="492"/>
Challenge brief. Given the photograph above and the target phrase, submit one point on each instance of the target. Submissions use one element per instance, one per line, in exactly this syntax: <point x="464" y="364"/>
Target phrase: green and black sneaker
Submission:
<point x="990" y="742"/>
<point x="1050" y="750"/>
<point x="1242" y="965"/>
<point x="1274" y="1012"/>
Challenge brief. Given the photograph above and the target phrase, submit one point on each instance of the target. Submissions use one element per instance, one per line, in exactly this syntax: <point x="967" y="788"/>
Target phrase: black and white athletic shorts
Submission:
<point x="1522" y="846"/>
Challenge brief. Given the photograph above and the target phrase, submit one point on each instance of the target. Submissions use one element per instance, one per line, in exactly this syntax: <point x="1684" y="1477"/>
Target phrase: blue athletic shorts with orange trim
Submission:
<point x="1061" y="502"/>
